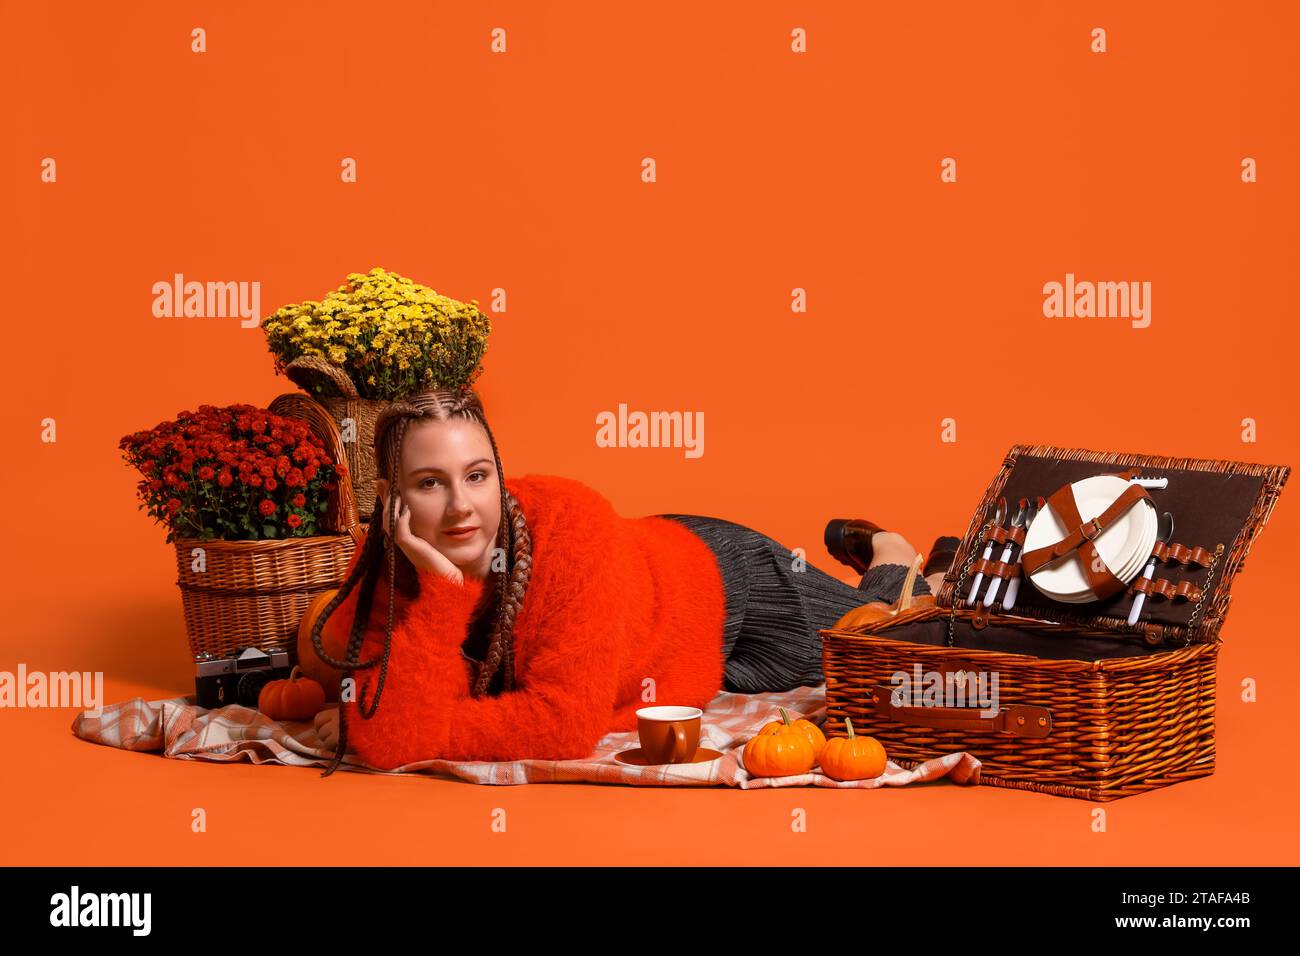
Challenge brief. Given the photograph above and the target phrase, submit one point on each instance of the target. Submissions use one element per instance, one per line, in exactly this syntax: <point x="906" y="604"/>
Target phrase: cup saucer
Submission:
<point x="636" y="758"/>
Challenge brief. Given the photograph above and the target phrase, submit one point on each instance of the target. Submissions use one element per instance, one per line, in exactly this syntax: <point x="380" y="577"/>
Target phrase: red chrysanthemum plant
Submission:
<point x="233" y="473"/>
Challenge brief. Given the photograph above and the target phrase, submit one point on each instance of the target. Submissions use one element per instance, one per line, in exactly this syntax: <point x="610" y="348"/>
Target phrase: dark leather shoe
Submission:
<point x="942" y="554"/>
<point x="849" y="541"/>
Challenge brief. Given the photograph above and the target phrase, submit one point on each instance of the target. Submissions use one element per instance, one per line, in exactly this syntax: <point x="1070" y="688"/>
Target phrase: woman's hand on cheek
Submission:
<point x="421" y="553"/>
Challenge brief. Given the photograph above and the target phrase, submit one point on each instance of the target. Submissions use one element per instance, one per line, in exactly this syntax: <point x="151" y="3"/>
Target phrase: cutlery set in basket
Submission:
<point x="1088" y="592"/>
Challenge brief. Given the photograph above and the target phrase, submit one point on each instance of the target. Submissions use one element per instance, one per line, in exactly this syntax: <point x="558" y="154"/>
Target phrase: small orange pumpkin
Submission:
<point x="805" y="727"/>
<point x="780" y="749"/>
<point x="296" y="698"/>
<point x="853" y="757"/>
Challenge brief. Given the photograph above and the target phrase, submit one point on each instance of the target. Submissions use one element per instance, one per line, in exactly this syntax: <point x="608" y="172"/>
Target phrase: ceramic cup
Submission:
<point x="669" y="734"/>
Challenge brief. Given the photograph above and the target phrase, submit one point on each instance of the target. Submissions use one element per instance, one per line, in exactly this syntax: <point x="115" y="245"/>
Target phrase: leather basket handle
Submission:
<point x="1017" y="720"/>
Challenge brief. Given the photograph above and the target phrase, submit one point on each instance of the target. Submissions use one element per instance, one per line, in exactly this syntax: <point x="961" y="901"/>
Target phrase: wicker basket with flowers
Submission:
<point x="258" y="504"/>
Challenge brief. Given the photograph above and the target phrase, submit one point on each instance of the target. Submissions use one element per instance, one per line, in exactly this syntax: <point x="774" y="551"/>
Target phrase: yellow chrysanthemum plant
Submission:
<point x="378" y="338"/>
<point x="389" y="335"/>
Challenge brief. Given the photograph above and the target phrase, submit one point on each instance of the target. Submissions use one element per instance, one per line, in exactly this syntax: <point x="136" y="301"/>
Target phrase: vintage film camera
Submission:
<point x="237" y="678"/>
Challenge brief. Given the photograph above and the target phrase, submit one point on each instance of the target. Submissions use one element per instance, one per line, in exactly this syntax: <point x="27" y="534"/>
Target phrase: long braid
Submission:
<point x="512" y="536"/>
<point x="351" y="663"/>
<point x="369" y="566"/>
<point x="394" y="461"/>
<point x="516" y="543"/>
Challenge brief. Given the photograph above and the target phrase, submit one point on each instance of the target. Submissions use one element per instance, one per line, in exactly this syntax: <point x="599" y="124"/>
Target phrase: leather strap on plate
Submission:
<point x="1079" y="542"/>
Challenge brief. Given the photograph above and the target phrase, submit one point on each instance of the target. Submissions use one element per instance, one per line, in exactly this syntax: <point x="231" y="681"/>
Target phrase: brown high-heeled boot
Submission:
<point x="941" y="554"/>
<point x="849" y="541"/>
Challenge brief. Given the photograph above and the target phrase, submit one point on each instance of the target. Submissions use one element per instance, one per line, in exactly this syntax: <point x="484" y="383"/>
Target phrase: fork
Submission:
<point x="1022" y="509"/>
<point x="1013" y="586"/>
<point x="999" y="515"/>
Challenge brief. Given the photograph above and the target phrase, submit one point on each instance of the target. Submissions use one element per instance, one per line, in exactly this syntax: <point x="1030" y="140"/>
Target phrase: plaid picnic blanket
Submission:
<point x="182" y="730"/>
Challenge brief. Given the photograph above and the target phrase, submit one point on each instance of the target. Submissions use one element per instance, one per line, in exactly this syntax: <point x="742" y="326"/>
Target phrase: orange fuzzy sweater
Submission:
<point x="620" y="613"/>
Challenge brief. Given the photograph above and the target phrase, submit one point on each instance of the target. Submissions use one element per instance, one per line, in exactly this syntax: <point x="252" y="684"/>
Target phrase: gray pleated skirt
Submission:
<point x="776" y="603"/>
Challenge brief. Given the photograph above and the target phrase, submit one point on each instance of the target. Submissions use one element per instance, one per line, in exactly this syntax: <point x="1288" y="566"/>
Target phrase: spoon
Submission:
<point x="999" y="516"/>
<point x="1019" y="521"/>
<point x="1013" y="586"/>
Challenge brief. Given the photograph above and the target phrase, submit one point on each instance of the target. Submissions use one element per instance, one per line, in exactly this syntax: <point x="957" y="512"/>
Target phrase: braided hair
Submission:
<point x="512" y="538"/>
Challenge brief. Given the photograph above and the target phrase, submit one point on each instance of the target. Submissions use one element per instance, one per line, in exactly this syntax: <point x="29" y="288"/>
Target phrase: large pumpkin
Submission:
<point x="780" y="749"/>
<point x="853" y="757"/>
<point x="296" y="698"/>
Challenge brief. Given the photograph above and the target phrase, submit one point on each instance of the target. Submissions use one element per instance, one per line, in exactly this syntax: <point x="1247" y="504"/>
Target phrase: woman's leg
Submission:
<point x="826" y="598"/>
<point x="777" y="602"/>
<point x="889" y="551"/>
<point x="780" y="646"/>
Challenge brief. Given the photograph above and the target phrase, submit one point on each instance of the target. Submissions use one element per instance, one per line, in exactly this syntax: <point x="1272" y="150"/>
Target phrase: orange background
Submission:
<point x="775" y="171"/>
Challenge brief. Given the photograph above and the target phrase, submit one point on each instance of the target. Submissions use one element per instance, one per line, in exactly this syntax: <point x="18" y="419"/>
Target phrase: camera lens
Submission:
<point x="250" y="688"/>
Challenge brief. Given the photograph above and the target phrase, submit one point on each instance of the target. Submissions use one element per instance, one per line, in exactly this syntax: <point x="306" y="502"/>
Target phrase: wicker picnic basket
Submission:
<point x="254" y="593"/>
<point x="335" y="391"/>
<point x="1086" y="705"/>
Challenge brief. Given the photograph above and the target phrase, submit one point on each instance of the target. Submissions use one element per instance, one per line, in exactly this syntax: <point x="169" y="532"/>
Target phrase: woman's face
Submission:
<point x="449" y="481"/>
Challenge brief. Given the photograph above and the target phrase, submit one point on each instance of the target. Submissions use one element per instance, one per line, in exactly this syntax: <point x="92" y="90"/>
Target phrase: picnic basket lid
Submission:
<point x="1219" y="507"/>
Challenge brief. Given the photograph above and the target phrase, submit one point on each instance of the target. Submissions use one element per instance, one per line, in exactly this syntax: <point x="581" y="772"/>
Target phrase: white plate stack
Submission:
<point x="1125" y="545"/>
